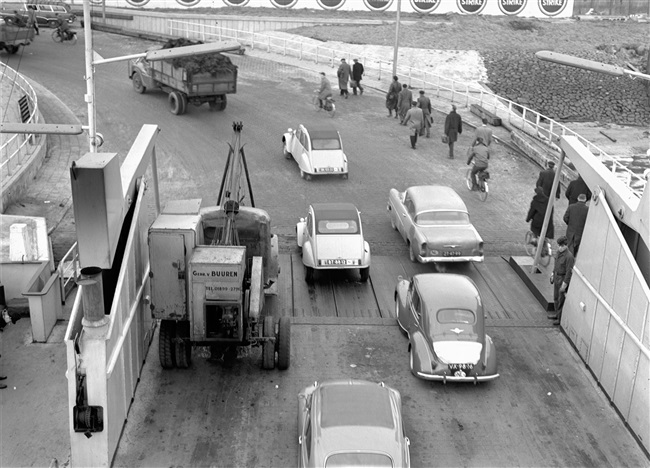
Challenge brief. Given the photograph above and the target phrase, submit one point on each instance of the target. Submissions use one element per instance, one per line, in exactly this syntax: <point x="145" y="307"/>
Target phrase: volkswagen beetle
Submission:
<point x="346" y="423"/>
<point x="317" y="150"/>
<point x="442" y="314"/>
<point x="434" y="222"/>
<point x="331" y="238"/>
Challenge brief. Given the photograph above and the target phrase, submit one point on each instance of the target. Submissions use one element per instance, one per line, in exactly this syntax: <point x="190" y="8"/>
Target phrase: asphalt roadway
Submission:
<point x="545" y="410"/>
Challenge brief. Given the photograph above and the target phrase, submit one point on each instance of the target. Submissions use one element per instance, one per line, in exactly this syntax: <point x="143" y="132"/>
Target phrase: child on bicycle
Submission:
<point x="325" y="90"/>
<point x="480" y="153"/>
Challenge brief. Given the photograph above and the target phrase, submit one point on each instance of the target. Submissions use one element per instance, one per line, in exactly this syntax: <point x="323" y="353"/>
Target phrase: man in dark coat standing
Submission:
<point x="453" y="128"/>
<point x="536" y="214"/>
<point x="343" y="74"/>
<point x="575" y="188"/>
<point x="562" y="272"/>
<point x="545" y="180"/>
<point x="357" y="75"/>
<point x="575" y="217"/>
<point x="424" y="103"/>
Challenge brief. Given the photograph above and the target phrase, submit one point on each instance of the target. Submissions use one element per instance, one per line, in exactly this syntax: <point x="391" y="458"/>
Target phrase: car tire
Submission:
<point x="309" y="274"/>
<point x="166" y="336"/>
<point x="365" y="274"/>
<point x="286" y="153"/>
<point x="401" y="328"/>
<point x="344" y="176"/>
<point x="53" y="24"/>
<point x="268" y="347"/>
<point x="138" y="86"/>
<point x="284" y="343"/>
<point x="304" y="175"/>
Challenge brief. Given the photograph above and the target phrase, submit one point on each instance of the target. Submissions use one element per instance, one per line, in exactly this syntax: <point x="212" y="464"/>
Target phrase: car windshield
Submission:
<point x="358" y="459"/>
<point x="325" y="144"/>
<point x="432" y="218"/>
<point x="456" y="316"/>
<point x="338" y="226"/>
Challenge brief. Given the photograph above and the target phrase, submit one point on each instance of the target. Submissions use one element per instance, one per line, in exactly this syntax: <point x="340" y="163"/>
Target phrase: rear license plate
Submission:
<point x="461" y="367"/>
<point x="327" y="169"/>
<point x="338" y="261"/>
<point x="452" y="253"/>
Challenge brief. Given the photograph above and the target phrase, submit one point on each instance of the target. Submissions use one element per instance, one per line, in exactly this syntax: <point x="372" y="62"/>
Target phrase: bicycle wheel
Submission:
<point x="528" y="244"/>
<point x="56" y="37"/>
<point x="332" y="109"/>
<point x="468" y="179"/>
<point x="483" y="191"/>
<point x="315" y="103"/>
<point x="72" y="40"/>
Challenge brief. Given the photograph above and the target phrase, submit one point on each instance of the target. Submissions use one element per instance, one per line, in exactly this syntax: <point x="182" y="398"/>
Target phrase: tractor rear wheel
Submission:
<point x="182" y="346"/>
<point x="166" y="344"/>
<point x="268" y="347"/>
<point x="284" y="343"/>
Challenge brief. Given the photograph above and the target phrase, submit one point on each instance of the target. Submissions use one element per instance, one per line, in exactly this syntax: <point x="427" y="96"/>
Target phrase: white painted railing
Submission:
<point x="15" y="149"/>
<point x="516" y="115"/>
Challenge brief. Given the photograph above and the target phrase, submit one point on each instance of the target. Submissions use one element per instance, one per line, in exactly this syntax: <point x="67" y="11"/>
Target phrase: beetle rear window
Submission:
<point x="432" y="218"/>
<point x="456" y="316"/>
<point x="326" y="144"/>
<point x="337" y="226"/>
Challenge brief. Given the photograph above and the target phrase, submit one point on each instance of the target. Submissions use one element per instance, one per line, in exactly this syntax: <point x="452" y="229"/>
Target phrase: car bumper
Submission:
<point x="453" y="378"/>
<point x="469" y="258"/>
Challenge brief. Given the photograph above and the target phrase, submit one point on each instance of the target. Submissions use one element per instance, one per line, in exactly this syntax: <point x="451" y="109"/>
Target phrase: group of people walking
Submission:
<point x="345" y="74"/>
<point x="575" y="217"/>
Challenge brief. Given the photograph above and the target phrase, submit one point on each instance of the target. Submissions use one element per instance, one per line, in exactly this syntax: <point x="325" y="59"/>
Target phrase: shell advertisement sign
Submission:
<point x="523" y="8"/>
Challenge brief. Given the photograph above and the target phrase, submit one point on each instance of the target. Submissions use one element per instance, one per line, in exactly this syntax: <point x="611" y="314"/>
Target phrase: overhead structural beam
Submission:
<point x="41" y="129"/>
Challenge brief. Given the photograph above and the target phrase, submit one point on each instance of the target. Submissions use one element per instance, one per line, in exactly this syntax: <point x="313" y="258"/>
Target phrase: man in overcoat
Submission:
<point x="453" y="128"/>
<point x="545" y="180"/>
<point x="404" y="102"/>
<point x="414" y="119"/>
<point x="424" y="103"/>
<point x="575" y="217"/>
<point x="357" y="75"/>
<point x="536" y="214"/>
<point x="343" y="73"/>
<point x="575" y="188"/>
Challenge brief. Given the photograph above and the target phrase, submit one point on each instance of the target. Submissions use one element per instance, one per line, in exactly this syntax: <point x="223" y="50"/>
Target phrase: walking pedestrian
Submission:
<point x="392" y="95"/>
<point x="575" y="217"/>
<point x="536" y="214"/>
<point x="545" y="180"/>
<point x="424" y="103"/>
<point x="562" y="272"/>
<point x="404" y="100"/>
<point x="414" y="119"/>
<point x="357" y="75"/>
<point x="453" y="128"/>
<point x="575" y="188"/>
<point x="31" y="18"/>
<point x="344" y="76"/>
<point x="5" y="319"/>
<point x="483" y="132"/>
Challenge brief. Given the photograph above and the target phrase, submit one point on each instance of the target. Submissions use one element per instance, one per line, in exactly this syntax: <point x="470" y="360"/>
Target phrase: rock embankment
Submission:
<point x="566" y="93"/>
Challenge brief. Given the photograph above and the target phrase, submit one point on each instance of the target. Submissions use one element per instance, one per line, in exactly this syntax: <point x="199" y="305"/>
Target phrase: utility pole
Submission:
<point x="396" y="48"/>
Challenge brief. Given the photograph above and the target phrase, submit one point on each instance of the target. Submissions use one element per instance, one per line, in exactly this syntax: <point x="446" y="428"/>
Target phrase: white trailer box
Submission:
<point x="173" y="236"/>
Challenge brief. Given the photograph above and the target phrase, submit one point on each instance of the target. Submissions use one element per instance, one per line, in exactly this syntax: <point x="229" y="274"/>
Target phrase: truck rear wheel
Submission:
<point x="284" y="343"/>
<point x="11" y="49"/>
<point x="177" y="103"/>
<point x="219" y="103"/>
<point x="138" y="86"/>
<point x="268" y="348"/>
<point x="166" y="344"/>
<point x="182" y="346"/>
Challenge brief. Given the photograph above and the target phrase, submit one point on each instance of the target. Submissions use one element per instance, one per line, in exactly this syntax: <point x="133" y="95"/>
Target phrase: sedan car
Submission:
<point x="434" y="222"/>
<point x="318" y="151"/>
<point x="442" y="314"/>
<point x="345" y="423"/>
<point x="331" y="238"/>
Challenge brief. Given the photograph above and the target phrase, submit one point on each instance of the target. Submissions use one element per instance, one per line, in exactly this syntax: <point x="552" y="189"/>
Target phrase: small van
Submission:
<point x="46" y="11"/>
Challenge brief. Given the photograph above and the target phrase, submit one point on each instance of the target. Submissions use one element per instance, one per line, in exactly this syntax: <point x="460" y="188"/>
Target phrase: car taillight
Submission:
<point x="423" y="248"/>
<point x="480" y="247"/>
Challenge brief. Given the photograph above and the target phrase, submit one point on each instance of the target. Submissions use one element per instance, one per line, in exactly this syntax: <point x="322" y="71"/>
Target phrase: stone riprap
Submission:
<point x="566" y="93"/>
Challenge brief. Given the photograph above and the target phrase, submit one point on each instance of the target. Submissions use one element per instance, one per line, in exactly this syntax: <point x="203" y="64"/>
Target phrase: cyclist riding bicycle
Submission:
<point x="480" y="153"/>
<point x="325" y="90"/>
<point x="63" y="27"/>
